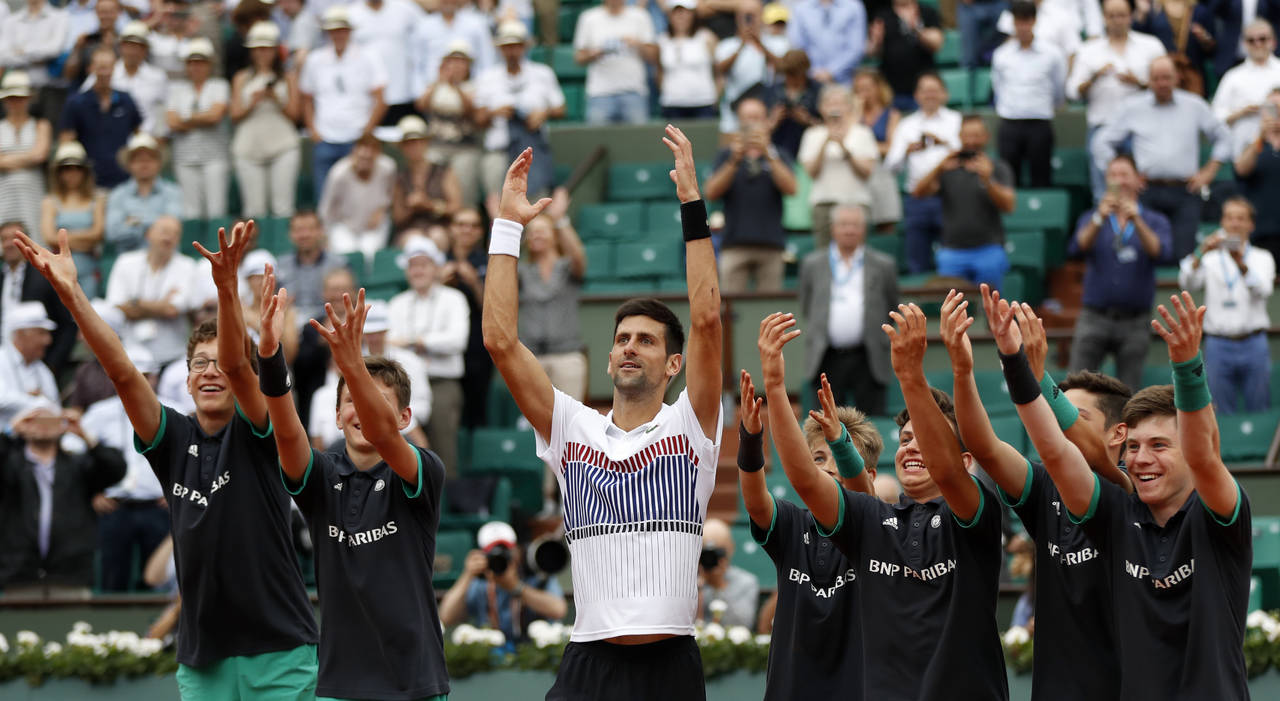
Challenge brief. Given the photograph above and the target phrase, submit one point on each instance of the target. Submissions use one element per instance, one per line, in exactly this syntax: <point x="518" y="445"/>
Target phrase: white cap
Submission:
<point x="459" y="47"/>
<point x="141" y="140"/>
<point x="141" y="358"/>
<point x="335" y="17"/>
<point x="412" y="126"/>
<point x="15" y="84"/>
<point x="70" y="153"/>
<point x="109" y="313"/>
<point x="262" y="35"/>
<point x="511" y="31"/>
<point x="137" y="32"/>
<point x="255" y="262"/>
<point x="28" y="315"/>
<point x="496" y="533"/>
<point x="378" y="318"/>
<point x="197" y="47"/>
<point x="686" y="4"/>
<point x="420" y="246"/>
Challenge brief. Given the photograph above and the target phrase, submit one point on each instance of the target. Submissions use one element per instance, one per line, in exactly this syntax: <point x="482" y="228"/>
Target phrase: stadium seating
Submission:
<point x="1245" y="436"/>
<point x="610" y="220"/>
<point x="452" y="547"/>
<point x="751" y="557"/>
<point x="640" y="181"/>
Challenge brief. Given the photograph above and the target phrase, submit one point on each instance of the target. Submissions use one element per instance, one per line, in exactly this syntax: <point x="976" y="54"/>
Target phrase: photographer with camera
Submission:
<point x="494" y="591"/>
<point x="975" y="191"/>
<point x="720" y="581"/>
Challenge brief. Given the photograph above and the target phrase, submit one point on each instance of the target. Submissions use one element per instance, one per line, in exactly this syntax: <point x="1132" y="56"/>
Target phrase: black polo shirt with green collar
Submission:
<point x="1073" y="600"/>
<point x="1180" y="592"/>
<point x="241" y="586"/>
<point x="927" y="596"/>
<point x="375" y="543"/>
<point x="817" y="640"/>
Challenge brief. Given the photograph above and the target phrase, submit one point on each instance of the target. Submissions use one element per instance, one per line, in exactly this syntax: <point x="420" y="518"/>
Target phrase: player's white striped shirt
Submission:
<point x="634" y="505"/>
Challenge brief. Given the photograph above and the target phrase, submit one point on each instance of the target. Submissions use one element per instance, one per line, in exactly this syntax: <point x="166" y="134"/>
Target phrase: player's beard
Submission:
<point x="635" y="386"/>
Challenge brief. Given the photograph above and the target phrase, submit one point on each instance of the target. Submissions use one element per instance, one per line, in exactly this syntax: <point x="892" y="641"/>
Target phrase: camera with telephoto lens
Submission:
<point x="711" y="557"/>
<point x="499" y="558"/>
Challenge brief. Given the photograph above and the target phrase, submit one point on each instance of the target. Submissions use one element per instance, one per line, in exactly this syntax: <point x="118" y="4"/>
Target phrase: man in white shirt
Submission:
<point x="1243" y="89"/>
<point x="1237" y="280"/>
<point x="386" y="28"/>
<point x="746" y="60"/>
<point x="342" y="94"/>
<point x="921" y="141"/>
<point x="614" y="41"/>
<point x="1028" y="77"/>
<point x="145" y="83"/>
<point x="434" y="322"/>
<point x="436" y="32"/>
<point x="31" y="38"/>
<point x="1109" y="69"/>
<point x="1055" y="24"/>
<point x="24" y="378"/>
<point x="150" y="287"/>
<point x="356" y="204"/>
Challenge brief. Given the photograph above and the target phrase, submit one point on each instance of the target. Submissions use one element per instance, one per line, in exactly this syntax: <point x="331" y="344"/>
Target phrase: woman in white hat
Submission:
<point x="75" y="205"/>
<point x="452" y="119"/>
<point x="197" y="107"/>
<point x="24" y="146"/>
<point x="265" y="104"/>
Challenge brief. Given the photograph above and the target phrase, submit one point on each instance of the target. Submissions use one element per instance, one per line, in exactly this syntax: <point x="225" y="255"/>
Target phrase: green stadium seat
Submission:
<point x="385" y="271"/>
<point x="798" y="247"/>
<point x="195" y="230"/>
<point x="1255" y="594"/>
<point x="540" y="54"/>
<point x="575" y="101"/>
<point x="1039" y="210"/>
<point x="888" y="244"/>
<point x="273" y="235"/>
<point x="797" y="214"/>
<point x="105" y="264"/>
<point x="384" y="291"/>
<point x="610" y="220"/>
<point x="994" y="392"/>
<point x="662" y="217"/>
<point x="451" y="553"/>
<point x="600" y="262"/>
<point x="1266" y="543"/>
<point x="499" y="510"/>
<point x="568" y="21"/>
<point x="959" y="87"/>
<point x="1026" y="249"/>
<point x="1071" y="167"/>
<point x="751" y="557"/>
<point x="981" y="95"/>
<point x="1023" y="285"/>
<point x="504" y="450"/>
<point x="500" y="409"/>
<point x="639" y="181"/>
<point x="672" y="284"/>
<point x="1009" y="429"/>
<point x="631" y="287"/>
<point x="650" y="259"/>
<point x="888" y="429"/>
<point x="563" y="64"/>
<point x="949" y="54"/>
<point x="1246" y="437"/>
<point x="355" y="261"/>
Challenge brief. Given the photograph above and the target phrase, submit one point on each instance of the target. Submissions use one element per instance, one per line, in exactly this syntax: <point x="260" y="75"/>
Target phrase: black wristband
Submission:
<point x="1023" y="386"/>
<point x="273" y="374"/>
<point x="693" y="220"/>
<point x="750" y="450"/>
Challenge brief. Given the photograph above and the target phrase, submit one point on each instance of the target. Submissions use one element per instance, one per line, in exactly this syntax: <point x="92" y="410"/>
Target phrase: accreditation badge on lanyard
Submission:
<point x="1230" y="276"/>
<point x="1125" y="251"/>
<point x="840" y="277"/>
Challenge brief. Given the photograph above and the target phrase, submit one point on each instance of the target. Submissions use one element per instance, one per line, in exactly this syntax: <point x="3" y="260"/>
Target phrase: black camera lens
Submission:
<point x="499" y="557"/>
<point x="711" y="557"/>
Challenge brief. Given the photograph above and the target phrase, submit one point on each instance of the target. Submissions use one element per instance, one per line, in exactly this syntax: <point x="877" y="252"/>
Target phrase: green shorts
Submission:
<point x="288" y="675"/>
<point x="438" y="697"/>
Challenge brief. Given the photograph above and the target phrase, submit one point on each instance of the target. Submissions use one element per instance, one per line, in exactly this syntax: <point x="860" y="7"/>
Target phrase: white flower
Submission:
<point x="4" y="644"/>
<point x="1017" y="635"/>
<point x="81" y="627"/>
<point x="538" y="628"/>
<point x="739" y="635"/>
<point x="465" y="634"/>
<point x="27" y="639"/>
<point x="126" y="641"/>
<point x="713" y="632"/>
<point x="763" y="639"/>
<point x="1267" y="623"/>
<point x="493" y="637"/>
<point x="718" y="606"/>
<point x="51" y="649"/>
<point x="149" y="646"/>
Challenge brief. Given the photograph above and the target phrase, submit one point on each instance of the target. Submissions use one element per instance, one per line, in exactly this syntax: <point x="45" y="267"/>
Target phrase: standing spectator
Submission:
<point x="25" y="379"/>
<point x="723" y="581"/>
<point x="75" y="205"/>
<point x="82" y="19"/>
<point x="1258" y="169"/>
<point x="746" y="61"/>
<point x="356" y="204"/>
<point x="299" y="28"/>
<point x="1185" y="28"/>
<point x="465" y="271"/>
<point x="922" y="139"/>
<point x="752" y="177"/>
<point x="978" y="34"/>
<point x="197" y="107"/>
<point x="145" y="83"/>
<point x="149" y="286"/>
<point x="874" y="98"/>
<point x="436" y="35"/>
<point x="174" y="25"/>
<point x="426" y="193"/>
<point x="1106" y="71"/>
<point x="1239" y="97"/>
<point x="614" y="41"/>
<point x="386" y="29"/>
<point x="1054" y="25"/>
<point x="685" y="67"/>
<point x="342" y="98"/>
<point x="793" y="102"/>
<point x="101" y="118"/>
<point x="846" y="292"/>
<point x="840" y="155"/>
<point x="775" y="16"/>
<point x="1122" y="243"/>
<point x="720" y="16"/>
<point x="106" y="32"/>
<point x="265" y="105"/>
<point x="24" y="146"/>
<point x="833" y="33"/>
<point x="46" y="496"/>
<point x="433" y="321"/>
<point x="1166" y="125"/>
<point x="550" y="284"/>
<point x="246" y="13"/>
<point x="975" y="193"/>
<point x="905" y="38"/>
<point x="303" y="271"/>
<point x="1237" y="280"/>
<point x="450" y="109"/>
<point x="1029" y="78"/>
<point x="134" y="205"/>
<point x="20" y="284"/>
<point x="31" y="38"/>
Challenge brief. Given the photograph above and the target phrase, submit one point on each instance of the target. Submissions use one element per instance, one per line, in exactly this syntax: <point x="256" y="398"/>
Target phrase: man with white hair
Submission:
<point x="24" y="378"/>
<point x="150" y="287"/>
<point x="1240" y="96"/>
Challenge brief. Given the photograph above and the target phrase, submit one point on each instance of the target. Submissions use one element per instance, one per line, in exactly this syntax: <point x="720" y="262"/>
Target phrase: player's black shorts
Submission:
<point x="668" y="670"/>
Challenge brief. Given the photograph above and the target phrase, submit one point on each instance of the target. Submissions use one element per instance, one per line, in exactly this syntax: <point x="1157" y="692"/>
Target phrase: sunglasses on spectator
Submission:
<point x="1257" y="40"/>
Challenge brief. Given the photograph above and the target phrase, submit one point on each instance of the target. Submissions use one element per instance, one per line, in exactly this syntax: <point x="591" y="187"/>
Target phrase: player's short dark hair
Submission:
<point x="1023" y="9"/>
<point x="866" y="439"/>
<point x="1151" y="402"/>
<point x="659" y="312"/>
<point x="948" y="407"/>
<point x="1111" y="394"/>
<point x="389" y="373"/>
<point x="208" y="331"/>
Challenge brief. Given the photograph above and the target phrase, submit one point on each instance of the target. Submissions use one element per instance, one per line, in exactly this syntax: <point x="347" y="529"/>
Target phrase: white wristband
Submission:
<point x="504" y="238"/>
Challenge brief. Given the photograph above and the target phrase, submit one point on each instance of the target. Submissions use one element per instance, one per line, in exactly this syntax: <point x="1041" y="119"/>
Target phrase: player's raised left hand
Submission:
<point x="685" y="174"/>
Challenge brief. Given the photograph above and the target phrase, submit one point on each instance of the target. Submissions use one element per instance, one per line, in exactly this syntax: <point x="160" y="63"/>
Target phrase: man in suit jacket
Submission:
<point x="19" y="283"/>
<point x="846" y="293"/>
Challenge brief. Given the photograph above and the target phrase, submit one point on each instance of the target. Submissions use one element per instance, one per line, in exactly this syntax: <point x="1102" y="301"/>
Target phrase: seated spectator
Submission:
<point x="434" y="322"/>
<point x="975" y="193"/>
<point x="550" y="284"/>
<point x="265" y="105"/>
<point x="24" y="146"/>
<point x="303" y="271"/>
<point x="147" y="84"/>
<point x="440" y="33"/>
<point x="1053" y="25"/>
<point x="342" y="95"/>
<point x="752" y="177"/>
<point x="47" y="549"/>
<point x="150" y="286"/>
<point x="1237" y="280"/>
<point x="1258" y="170"/>
<point x="834" y="35"/>
<point x="196" y="108"/>
<point x="873" y="97"/>
<point x="614" y="41"/>
<point x="356" y="204"/>
<point x="685" y="69"/>
<point x="1122" y="242"/>
<point x="73" y="204"/>
<point x="20" y="283"/>
<point x="1028" y="77"/>
<point x="1239" y="97"/>
<point x="495" y="586"/>
<point x="1185" y="27"/>
<point x="24" y="378"/>
<point x="793" y="102"/>
<point x="425" y="192"/>
<point x="387" y="29"/>
<point x="175" y="23"/>
<point x="905" y="38"/>
<point x="90" y="383"/>
<point x="722" y="581"/>
<point x="31" y="38"/>
<point x="840" y="155"/>
<point x="106" y="32"/>
<point x="468" y="261"/>
<point x="516" y="97"/>
<point x="746" y="61"/>
<point x="450" y="109"/>
<point x="102" y="119"/>
<point x="978" y="34"/>
<point x="134" y="205"/>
